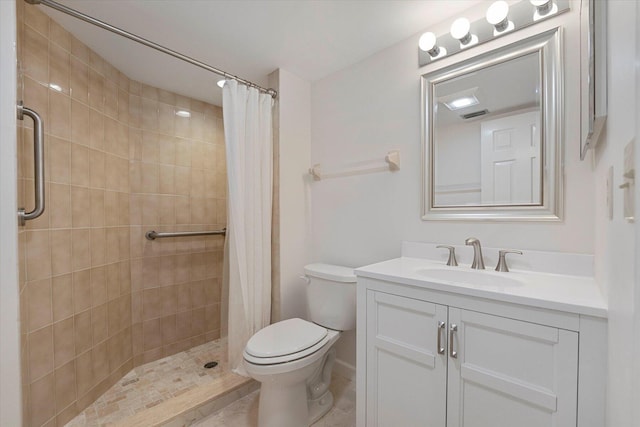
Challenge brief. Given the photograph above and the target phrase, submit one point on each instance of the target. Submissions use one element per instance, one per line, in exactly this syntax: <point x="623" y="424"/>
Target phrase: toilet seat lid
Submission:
<point x="286" y="337"/>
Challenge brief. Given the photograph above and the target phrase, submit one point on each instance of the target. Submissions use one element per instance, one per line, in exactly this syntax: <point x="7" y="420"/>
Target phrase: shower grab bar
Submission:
<point x="38" y="154"/>
<point x="153" y="235"/>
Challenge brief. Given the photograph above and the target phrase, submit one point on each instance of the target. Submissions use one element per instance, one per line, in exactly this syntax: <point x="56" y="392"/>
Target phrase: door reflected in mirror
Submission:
<point x="492" y="134"/>
<point x="487" y="147"/>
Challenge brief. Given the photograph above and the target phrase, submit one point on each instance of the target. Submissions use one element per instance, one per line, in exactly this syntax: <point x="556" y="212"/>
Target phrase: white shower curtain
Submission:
<point x="249" y="144"/>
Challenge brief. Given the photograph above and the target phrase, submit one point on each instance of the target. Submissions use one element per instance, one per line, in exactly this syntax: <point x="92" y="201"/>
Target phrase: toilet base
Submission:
<point x="319" y="407"/>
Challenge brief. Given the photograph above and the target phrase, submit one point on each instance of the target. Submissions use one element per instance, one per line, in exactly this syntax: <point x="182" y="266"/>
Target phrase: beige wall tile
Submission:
<point x="64" y="342"/>
<point x="38" y="259"/>
<point x="80" y="207"/>
<point x="60" y="205"/>
<point x="98" y="286"/>
<point x="59" y="114"/>
<point x="81" y="246"/>
<point x="152" y="334"/>
<point x="40" y="352"/>
<point x="97" y="208"/>
<point x="59" y="67"/>
<point x="59" y="160"/>
<point x="80" y="120"/>
<point x="60" y="252"/>
<point x="43" y="405"/>
<point x="96" y="90"/>
<point x="65" y="385"/>
<point x="83" y="331"/>
<point x="37" y="20"/>
<point x="99" y="323"/>
<point x="79" y="50"/>
<point x="84" y="373"/>
<point x="151" y="304"/>
<point x="39" y="303"/>
<point x="79" y="165"/>
<point x="62" y="291"/>
<point x="98" y="246"/>
<point x="81" y="290"/>
<point x="96" y="124"/>
<point x="111" y="99"/>
<point x="79" y="80"/>
<point x="113" y="279"/>
<point x="36" y="52"/>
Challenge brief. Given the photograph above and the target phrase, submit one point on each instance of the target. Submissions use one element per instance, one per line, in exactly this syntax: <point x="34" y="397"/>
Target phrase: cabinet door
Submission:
<point x="510" y="373"/>
<point x="406" y="374"/>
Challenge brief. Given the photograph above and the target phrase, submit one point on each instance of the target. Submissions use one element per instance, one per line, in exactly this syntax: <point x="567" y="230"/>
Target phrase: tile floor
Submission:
<point x="244" y="411"/>
<point x="155" y="382"/>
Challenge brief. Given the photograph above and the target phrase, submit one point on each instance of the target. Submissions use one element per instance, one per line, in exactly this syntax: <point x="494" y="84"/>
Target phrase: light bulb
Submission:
<point x="544" y="8"/>
<point x="460" y="30"/>
<point x="497" y="15"/>
<point x="221" y="83"/>
<point x="427" y="43"/>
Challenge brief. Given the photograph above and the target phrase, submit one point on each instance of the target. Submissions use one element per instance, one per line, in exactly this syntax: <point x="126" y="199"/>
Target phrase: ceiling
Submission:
<point x="248" y="38"/>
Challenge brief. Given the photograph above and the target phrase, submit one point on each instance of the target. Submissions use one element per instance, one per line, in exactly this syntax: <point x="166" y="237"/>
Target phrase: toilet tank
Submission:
<point x="331" y="296"/>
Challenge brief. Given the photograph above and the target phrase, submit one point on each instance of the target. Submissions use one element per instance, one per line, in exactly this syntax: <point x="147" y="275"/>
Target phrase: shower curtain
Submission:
<point x="249" y="146"/>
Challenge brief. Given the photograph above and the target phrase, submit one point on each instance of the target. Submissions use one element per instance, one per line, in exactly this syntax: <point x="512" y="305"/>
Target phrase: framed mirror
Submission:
<point x="492" y="137"/>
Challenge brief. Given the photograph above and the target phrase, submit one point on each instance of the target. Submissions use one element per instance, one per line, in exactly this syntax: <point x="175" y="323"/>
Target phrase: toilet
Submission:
<point x="293" y="358"/>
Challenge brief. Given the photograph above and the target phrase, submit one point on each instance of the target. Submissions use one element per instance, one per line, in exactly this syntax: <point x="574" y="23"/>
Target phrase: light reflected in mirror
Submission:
<point x="492" y="134"/>
<point x="487" y="147"/>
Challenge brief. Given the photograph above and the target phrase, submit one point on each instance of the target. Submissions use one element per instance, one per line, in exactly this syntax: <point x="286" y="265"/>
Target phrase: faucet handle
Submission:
<point x="502" y="260"/>
<point x="452" y="255"/>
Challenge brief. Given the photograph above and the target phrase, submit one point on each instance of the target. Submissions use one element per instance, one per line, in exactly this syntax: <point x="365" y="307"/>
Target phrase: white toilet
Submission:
<point x="293" y="358"/>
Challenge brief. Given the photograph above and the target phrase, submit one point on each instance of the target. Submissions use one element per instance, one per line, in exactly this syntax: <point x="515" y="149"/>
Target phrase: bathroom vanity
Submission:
<point x="451" y="346"/>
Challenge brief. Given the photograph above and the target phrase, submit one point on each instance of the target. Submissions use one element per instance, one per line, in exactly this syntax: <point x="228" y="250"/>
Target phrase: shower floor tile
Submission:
<point x="153" y="383"/>
<point x="244" y="412"/>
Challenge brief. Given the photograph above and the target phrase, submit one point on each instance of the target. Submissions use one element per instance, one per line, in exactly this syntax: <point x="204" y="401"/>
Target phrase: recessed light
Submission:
<point x="463" y="102"/>
<point x="183" y="113"/>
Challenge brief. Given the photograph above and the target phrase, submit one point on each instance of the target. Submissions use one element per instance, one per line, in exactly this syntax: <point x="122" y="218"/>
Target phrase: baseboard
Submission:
<point x="345" y="370"/>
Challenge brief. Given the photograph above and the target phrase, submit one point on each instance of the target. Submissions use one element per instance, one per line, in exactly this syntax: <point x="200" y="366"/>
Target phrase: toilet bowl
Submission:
<point x="293" y="358"/>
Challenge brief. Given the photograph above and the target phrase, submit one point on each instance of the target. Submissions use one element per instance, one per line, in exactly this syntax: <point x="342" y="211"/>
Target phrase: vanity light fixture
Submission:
<point x="498" y="16"/>
<point x="221" y="83"/>
<point x="427" y="43"/>
<point x="544" y="8"/>
<point x="460" y="30"/>
<point x="501" y="18"/>
<point x="183" y="113"/>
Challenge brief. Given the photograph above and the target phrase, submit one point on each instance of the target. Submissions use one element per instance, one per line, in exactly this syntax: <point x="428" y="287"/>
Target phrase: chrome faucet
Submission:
<point x="478" y="261"/>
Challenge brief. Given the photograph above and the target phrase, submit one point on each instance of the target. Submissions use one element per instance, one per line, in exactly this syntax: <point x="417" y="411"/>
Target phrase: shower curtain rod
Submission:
<point x="72" y="12"/>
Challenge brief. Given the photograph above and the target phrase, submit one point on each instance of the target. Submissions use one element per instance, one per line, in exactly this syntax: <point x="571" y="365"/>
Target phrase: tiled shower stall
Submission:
<point x="97" y="298"/>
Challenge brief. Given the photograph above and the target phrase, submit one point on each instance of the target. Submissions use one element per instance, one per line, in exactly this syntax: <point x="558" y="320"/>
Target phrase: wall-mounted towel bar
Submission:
<point x="38" y="160"/>
<point x="153" y="235"/>
<point x="392" y="163"/>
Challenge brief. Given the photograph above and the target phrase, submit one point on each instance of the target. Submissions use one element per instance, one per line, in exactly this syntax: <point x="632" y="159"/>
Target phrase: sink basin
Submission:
<point x="471" y="278"/>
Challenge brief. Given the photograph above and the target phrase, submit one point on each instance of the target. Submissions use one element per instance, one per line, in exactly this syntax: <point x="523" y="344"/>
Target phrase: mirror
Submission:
<point x="492" y="137"/>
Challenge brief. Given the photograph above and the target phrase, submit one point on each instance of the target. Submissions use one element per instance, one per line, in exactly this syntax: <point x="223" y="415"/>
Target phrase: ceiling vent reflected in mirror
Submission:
<point x="474" y="114"/>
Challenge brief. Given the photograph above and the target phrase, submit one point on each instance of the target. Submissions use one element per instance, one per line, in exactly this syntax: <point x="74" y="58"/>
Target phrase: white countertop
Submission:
<point x="573" y="294"/>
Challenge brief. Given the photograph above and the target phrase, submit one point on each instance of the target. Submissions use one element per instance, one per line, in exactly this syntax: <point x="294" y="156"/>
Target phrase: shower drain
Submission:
<point x="210" y="365"/>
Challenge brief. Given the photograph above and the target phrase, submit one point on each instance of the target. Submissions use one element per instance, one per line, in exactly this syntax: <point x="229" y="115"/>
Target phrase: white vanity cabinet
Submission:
<point x="434" y="358"/>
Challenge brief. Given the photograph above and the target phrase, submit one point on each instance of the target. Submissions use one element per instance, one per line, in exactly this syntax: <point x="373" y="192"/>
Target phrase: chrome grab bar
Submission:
<point x="38" y="154"/>
<point x="153" y="235"/>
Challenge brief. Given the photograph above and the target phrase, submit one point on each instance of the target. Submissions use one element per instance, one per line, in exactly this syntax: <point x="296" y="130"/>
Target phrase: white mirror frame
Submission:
<point x="548" y="45"/>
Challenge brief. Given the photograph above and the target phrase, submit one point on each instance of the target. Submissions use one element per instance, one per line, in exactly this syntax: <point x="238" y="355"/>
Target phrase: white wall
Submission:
<point x="373" y="107"/>
<point x="295" y="215"/>
<point x="615" y="247"/>
<point x="10" y="394"/>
